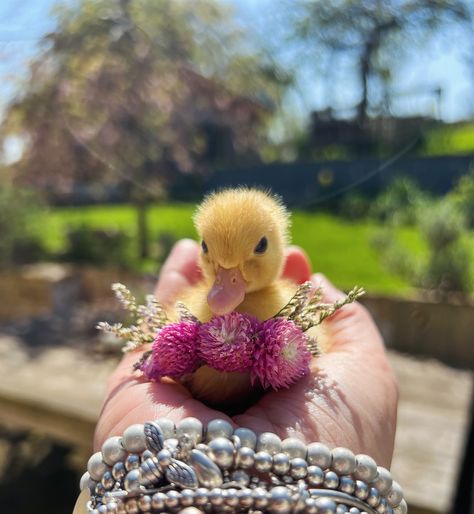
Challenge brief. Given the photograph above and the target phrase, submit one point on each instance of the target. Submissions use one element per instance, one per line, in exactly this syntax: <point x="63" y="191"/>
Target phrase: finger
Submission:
<point x="179" y="271"/>
<point x="297" y="265"/>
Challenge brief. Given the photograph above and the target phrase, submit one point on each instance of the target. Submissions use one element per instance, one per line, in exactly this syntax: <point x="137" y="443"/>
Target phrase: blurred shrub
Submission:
<point x="20" y="241"/>
<point x="86" y="245"/>
<point x="448" y="266"/>
<point x="462" y="196"/>
<point x="354" y="206"/>
<point x="399" y="202"/>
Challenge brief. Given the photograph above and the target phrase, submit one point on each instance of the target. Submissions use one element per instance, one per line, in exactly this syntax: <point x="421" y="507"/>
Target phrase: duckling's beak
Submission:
<point x="227" y="292"/>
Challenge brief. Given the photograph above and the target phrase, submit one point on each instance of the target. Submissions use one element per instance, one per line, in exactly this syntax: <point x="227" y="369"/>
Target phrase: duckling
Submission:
<point x="243" y="235"/>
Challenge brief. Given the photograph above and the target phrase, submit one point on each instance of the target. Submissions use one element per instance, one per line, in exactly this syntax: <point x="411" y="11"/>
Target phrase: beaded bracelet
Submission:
<point x="160" y="467"/>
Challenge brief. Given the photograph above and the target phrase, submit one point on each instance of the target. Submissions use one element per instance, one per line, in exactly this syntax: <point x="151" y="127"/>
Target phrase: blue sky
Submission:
<point x="441" y="64"/>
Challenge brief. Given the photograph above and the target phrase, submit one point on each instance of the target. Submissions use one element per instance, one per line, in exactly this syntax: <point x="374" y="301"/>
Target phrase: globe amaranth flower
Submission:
<point x="174" y="351"/>
<point x="281" y="356"/>
<point x="227" y="343"/>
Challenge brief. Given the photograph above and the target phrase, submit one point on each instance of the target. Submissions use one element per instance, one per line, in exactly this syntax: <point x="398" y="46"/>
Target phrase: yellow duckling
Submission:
<point x="243" y="235"/>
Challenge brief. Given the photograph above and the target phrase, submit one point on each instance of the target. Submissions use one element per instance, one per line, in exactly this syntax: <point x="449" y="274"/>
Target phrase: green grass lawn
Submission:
<point x="340" y="249"/>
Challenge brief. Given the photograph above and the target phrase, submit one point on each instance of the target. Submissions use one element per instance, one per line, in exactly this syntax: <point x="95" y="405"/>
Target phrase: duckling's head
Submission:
<point x="243" y="237"/>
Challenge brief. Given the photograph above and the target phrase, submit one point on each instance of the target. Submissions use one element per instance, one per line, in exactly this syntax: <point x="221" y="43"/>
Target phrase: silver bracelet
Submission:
<point x="160" y="467"/>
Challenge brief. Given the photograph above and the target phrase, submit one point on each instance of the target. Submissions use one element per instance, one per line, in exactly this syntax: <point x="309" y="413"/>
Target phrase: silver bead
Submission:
<point x="99" y="489"/>
<point x="151" y="471"/>
<point x="96" y="466"/>
<point x="402" y="508"/>
<point x="280" y="501"/>
<point x="230" y="497"/>
<point x="366" y="468"/>
<point x="112" y="508"/>
<point x="354" y="510"/>
<point x="158" y="501"/>
<point x="315" y="475"/>
<point x="383" y="506"/>
<point x="298" y="468"/>
<point x="107" y="497"/>
<point x="203" y="448"/>
<point x="167" y="427"/>
<point x="260" y="497"/>
<point x="240" y="476"/>
<point x="347" y="485"/>
<point x="310" y="506"/>
<point x="172" y="499"/>
<point x="268" y="442"/>
<point x="281" y="463"/>
<point x="200" y="496"/>
<point x="373" y="498"/>
<point x="164" y="458"/>
<point x="395" y="495"/>
<point x="341" y="509"/>
<point x="245" y="457"/>
<point x="190" y="510"/>
<point x="92" y="485"/>
<point x="331" y="480"/>
<point x="389" y="510"/>
<point x="131" y="481"/>
<point x="219" y="428"/>
<point x="247" y="437"/>
<point x="171" y="445"/>
<point x="102" y="509"/>
<point x="119" y="470"/>
<point x="108" y="481"/>
<point x="216" y="497"/>
<point x="326" y="506"/>
<point x="147" y="454"/>
<point x="361" y="490"/>
<point x="263" y="461"/>
<point x="144" y="503"/>
<point x="383" y="481"/>
<point x="113" y="451"/>
<point x="343" y="461"/>
<point x="222" y="452"/>
<point x="84" y="482"/>
<point x="319" y="454"/>
<point x="133" y="439"/>
<point x="187" y="497"/>
<point x="245" y="498"/>
<point x="192" y="427"/>
<point x="207" y="471"/>
<point x="132" y="462"/>
<point x="293" y="447"/>
<point x="132" y="506"/>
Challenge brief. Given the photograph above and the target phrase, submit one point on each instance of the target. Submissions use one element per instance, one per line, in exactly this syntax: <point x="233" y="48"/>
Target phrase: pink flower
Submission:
<point x="281" y="356"/>
<point x="173" y="352"/>
<point x="227" y="342"/>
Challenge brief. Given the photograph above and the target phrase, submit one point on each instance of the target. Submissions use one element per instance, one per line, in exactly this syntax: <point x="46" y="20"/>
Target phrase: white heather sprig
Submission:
<point x="146" y="319"/>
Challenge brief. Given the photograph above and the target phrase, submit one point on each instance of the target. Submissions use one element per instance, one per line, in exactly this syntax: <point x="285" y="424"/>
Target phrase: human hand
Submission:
<point x="349" y="398"/>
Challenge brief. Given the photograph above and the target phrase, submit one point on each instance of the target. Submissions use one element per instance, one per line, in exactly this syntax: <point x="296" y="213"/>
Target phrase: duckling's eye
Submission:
<point x="262" y="245"/>
<point x="204" y="247"/>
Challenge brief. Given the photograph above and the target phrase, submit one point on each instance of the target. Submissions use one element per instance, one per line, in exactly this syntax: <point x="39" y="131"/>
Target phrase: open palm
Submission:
<point x="348" y="399"/>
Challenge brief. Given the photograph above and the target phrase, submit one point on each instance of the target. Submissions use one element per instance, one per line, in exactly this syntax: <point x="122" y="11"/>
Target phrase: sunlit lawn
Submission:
<point x="340" y="249"/>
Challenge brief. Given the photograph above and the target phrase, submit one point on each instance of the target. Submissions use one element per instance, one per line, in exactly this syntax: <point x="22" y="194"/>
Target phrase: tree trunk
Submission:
<point x="142" y="229"/>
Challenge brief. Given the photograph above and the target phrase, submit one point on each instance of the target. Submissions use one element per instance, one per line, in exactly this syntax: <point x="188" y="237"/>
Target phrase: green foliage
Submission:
<point x="449" y="264"/>
<point x="20" y="240"/>
<point x="100" y="247"/>
<point x="326" y="239"/>
<point x="449" y="140"/>
<point x="399" y="202"/>
<point x="462" y="197"/>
